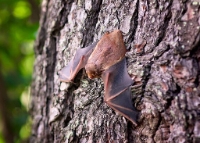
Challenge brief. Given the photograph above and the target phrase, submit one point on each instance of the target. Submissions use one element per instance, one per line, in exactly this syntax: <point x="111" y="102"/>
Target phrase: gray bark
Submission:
<point x="163" y="59"/>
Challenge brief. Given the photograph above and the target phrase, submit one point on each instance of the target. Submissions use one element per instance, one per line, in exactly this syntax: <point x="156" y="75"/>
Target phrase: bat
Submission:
<point x="106" y="59"/>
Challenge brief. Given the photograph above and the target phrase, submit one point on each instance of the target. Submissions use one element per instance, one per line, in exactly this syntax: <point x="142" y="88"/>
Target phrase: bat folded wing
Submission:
<point x="117" y="90"/>
<point x="122" y="104"/>
<point x="68" y="73"/>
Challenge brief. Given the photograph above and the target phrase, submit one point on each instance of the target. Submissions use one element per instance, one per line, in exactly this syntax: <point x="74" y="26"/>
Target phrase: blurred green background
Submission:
<point x="19" y="21"/>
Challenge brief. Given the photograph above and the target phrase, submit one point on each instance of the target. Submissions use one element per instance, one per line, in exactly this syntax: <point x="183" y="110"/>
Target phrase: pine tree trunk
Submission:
<point x="162" y="38"/>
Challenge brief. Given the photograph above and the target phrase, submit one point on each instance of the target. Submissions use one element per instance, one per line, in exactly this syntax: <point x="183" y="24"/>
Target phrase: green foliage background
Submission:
<point x="18" y="30"/>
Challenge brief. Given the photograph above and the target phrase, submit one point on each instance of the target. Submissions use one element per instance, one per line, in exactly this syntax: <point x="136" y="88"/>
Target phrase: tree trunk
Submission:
<point x="162" y="38"/>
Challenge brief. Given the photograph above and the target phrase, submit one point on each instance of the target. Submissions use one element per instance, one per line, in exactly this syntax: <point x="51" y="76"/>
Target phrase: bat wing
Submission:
<point x="117" y="90"/>
<point x="68" y="73"/>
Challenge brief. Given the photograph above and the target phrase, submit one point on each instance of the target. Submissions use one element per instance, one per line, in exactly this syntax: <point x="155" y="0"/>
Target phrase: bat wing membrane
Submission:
<point x="68" y="73"/>
<point x="117" y="90"/>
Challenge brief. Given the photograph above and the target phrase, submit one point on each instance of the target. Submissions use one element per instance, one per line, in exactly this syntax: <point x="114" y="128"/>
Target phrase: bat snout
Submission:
<point x="93" y="74"/>
<point x="93" y="71"/>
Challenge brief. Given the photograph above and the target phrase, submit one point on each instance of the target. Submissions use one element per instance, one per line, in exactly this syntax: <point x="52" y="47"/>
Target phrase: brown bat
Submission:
<point x="106" y="59"/>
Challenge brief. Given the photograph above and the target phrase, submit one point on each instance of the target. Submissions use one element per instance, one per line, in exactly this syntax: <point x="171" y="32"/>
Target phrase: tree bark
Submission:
<point x="162" y="38"/>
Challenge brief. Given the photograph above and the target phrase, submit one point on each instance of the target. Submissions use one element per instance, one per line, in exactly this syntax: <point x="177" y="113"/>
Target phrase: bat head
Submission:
<point x="92" y="71"/>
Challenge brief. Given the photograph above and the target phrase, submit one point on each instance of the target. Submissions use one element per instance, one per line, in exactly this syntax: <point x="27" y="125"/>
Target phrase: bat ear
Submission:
<point x="68" y="73"/>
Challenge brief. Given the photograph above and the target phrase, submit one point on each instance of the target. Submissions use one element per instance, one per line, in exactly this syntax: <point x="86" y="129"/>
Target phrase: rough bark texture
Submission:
<point x="162" y="37"/>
